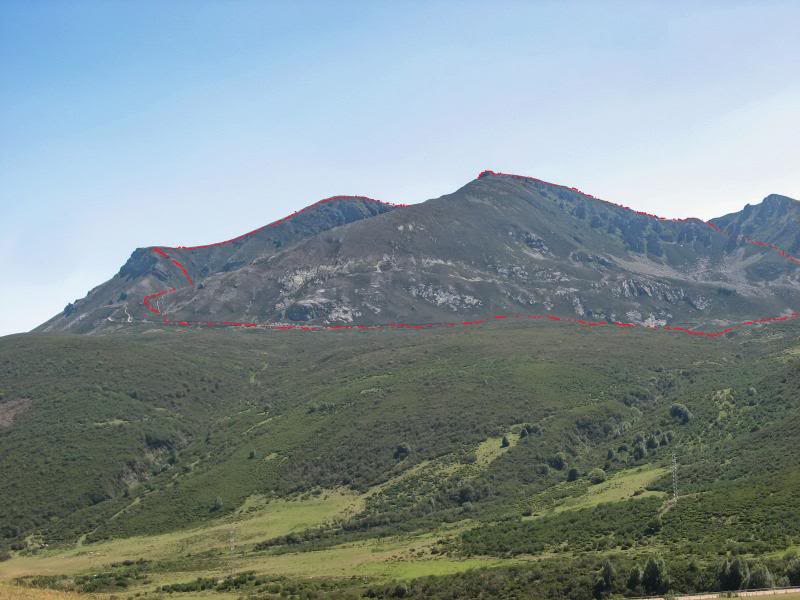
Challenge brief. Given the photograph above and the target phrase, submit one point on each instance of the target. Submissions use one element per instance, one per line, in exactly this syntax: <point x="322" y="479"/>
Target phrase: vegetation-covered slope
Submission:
<point x="480" y="447"/>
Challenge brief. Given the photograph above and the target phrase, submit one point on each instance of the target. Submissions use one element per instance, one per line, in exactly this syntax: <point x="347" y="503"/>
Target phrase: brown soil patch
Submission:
<point x="11" y="409"/>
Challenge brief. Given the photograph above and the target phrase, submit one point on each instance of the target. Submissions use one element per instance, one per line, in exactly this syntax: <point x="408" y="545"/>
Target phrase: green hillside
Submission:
<point x="440" y="463"/>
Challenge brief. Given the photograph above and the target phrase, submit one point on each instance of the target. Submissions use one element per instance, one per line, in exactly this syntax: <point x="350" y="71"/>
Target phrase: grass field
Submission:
<point x="9" y="592"/>
<point x="405" y="557"/>
<point x="621" y="486"/>
<point x="397" y="557"/>
<point x="259" y="518"/>
<point x="256" y="519"/>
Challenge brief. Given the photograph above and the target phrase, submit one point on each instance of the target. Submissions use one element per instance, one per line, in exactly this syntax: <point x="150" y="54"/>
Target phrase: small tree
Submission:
<point x="793" y="571"/>
<point x="732" y="574"/>
<point x="634" y="582"/>
<point x="608" y="573"/>
<point x="654" y="576"/>
<point x="639" y="451"/>
<point x="760" y="577"/>
<point x="604" y="585"/>
<point x="572" y="474"/>
<point x="505" y="443"/>
<point x="652" y="442"/>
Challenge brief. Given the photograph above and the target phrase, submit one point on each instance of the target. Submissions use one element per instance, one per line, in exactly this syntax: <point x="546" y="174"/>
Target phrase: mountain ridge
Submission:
<point x="286" y="281"/>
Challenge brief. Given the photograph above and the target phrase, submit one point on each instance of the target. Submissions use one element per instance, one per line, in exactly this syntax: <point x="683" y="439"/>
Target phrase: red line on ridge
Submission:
<point x="713" y="226"/>
<point x="286" y="218"/>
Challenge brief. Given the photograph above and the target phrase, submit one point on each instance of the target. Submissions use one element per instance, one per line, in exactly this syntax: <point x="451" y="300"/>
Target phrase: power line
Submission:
<point x="674" y="477"/>
<point x="233" y="549"/>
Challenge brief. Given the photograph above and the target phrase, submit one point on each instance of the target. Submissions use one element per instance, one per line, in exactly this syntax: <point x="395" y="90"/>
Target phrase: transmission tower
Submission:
<point x="674" y="477"/>
<point x="233" y="548"/>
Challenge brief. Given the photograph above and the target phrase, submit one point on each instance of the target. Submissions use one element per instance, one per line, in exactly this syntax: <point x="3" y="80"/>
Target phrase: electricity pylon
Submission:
<point x="674" y="477"/>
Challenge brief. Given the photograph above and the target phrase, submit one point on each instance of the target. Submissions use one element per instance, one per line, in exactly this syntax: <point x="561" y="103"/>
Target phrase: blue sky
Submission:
<point x="126" y="124"/>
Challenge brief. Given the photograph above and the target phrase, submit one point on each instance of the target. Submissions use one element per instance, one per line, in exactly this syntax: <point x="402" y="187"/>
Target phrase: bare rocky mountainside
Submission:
<point x="500" y="244"/>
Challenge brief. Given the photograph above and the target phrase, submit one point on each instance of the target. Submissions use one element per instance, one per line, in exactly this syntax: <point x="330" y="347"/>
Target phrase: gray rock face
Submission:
<point x="500" y="244"/>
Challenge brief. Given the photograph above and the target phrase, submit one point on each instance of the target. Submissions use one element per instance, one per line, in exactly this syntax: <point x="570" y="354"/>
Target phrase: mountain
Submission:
<point x="500" y="244"/>
<point x="515" y="459"/>
<point x="121" y="299"/>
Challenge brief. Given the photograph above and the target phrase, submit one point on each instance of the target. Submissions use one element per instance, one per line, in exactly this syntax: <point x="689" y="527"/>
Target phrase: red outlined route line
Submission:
<point x="777" y="249"/>
<point x="287" y="218"/>
<point x="415" y="327"/>
<point x="713" y="226"/>
<point x="161" y="252"/>
<point x="149" y="297"/>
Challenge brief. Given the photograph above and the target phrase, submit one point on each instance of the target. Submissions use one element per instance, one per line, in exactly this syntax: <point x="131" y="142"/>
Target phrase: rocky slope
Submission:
<point x="500" y="244"/>
<point x="120" y="300"/>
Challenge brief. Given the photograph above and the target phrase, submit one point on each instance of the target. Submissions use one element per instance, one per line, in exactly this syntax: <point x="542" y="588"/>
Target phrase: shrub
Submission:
<point x="597" y="475"/>
<point x="559" y="461"/>
<point x="680" y="412"/>
<point x="467" y="494"/>
<point x="402" y="451"/>
<point x="655" y="524"/>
